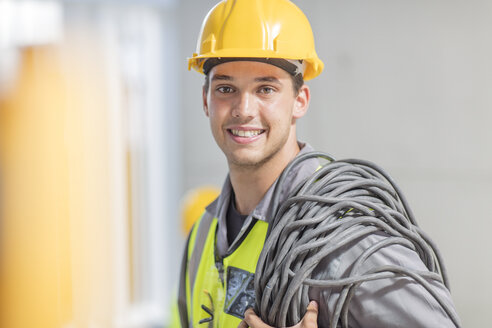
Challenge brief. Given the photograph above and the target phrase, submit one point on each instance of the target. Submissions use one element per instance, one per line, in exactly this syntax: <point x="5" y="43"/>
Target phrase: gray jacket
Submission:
<point x="391" y="302"/>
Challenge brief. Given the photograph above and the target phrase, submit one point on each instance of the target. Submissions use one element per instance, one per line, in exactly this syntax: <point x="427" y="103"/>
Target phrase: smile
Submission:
<point x="245" y="133"/>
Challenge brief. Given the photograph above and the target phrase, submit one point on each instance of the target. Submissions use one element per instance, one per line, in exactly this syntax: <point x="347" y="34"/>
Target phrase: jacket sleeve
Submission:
<point x="390" y="302"/>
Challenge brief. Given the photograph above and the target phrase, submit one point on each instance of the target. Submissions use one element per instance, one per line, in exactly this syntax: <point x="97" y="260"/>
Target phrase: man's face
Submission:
<point x="252" y="109"/>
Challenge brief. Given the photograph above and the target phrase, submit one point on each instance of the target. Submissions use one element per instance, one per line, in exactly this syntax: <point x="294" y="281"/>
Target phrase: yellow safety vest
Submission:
<point x="218" y="290"/>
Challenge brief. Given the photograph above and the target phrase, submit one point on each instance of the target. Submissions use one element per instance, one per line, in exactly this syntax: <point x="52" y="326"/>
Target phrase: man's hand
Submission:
<point x="308" y="321"/>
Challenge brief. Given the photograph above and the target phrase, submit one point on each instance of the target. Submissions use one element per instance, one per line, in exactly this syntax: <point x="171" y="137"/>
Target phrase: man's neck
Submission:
<point x="250" y="184"/>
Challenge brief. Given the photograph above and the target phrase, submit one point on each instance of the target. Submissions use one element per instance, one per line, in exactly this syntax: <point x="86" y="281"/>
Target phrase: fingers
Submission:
<point x="252" y="320"/>
<point x="310" y="319"/>
<point x="243" y="324"/>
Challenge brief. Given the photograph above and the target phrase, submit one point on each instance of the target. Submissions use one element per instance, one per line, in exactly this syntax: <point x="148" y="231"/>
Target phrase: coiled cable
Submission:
<point x="340" y="203"/>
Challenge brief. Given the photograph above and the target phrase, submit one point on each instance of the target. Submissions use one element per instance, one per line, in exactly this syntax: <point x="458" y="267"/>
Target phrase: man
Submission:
<point x="255" y="56"/>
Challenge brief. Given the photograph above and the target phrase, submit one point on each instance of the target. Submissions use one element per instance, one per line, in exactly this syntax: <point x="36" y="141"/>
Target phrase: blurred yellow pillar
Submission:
<point x="55" y="240"/>
<point x="35" y="236"/>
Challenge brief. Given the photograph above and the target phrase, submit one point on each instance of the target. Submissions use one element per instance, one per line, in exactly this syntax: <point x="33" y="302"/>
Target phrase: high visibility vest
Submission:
<point x="218" y="290"/>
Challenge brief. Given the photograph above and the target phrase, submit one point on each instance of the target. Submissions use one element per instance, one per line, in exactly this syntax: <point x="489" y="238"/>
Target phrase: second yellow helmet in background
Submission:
<point x="193" y="205"/>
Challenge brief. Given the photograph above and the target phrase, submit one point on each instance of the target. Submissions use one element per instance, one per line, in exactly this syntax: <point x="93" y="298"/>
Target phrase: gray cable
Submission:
<point x="340" y="203"/>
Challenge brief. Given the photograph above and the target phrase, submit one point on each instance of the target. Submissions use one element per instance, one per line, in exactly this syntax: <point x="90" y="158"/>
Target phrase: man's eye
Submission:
<point x="225" y="89"/>
<point x="266" y="90"/>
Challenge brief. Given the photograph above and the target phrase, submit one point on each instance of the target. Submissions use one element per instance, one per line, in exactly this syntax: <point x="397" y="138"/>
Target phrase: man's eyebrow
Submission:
<point x="267" y="79"/>
<point x="221" y="77"/>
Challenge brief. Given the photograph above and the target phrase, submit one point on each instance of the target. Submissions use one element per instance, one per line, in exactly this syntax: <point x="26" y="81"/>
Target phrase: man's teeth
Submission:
<point x="247" y="133"/>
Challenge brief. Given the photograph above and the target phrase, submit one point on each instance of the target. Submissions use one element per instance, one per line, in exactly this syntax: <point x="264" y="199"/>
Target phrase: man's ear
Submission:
<point x="301" y="102"/>
<point x="204" y="99"/>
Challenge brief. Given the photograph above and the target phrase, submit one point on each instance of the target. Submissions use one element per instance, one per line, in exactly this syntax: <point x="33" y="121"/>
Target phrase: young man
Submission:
<point x="254" y="55"/>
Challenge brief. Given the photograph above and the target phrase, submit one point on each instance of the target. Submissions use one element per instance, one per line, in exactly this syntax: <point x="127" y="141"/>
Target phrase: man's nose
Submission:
<point x="244" y="106"/>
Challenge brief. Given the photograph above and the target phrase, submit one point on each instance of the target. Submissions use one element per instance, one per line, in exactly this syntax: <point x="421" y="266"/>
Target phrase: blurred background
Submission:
<point x="104" y="144"/>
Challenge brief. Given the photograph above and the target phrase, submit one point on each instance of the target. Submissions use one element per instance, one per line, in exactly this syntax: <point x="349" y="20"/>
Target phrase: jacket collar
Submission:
<point x="218" y="208"/>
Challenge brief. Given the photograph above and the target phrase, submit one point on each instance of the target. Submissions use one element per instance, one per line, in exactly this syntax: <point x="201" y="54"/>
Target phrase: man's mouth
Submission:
<point x="245" y="133"/>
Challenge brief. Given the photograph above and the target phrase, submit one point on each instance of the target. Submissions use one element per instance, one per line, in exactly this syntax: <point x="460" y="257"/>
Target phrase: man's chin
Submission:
<point x="246" y="160"/>
<point x="249" y="160"/>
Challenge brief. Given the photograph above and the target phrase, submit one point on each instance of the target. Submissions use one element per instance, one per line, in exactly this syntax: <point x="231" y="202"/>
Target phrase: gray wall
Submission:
<point x="407" y="84"/>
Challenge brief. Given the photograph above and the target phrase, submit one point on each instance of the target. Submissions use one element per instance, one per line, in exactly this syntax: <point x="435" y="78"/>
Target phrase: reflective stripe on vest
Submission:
<point x="218" y="291"/>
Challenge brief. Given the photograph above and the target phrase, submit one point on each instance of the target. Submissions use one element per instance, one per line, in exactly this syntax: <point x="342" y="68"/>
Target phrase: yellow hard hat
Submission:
<point x="257" y="29"/>
<point x="194" y="203"/>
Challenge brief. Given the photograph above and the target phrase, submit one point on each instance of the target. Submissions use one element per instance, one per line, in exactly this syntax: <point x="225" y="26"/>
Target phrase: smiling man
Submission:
<point x="253" y="108"/>
<point x="256" y="55"/>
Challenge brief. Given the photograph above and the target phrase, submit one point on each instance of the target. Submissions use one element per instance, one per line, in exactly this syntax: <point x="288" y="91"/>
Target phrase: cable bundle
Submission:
<point x="341" y="203"/>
